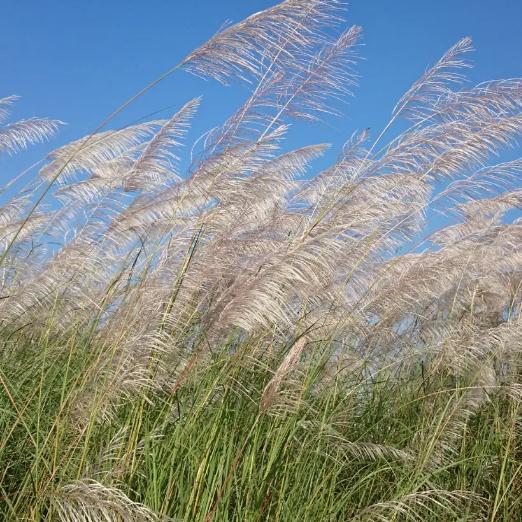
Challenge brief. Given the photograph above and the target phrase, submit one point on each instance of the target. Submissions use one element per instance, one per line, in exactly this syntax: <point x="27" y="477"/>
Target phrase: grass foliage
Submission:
<point x="244" y="340"/>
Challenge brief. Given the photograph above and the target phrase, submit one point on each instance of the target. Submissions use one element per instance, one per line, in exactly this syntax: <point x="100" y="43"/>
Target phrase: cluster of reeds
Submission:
<point x="244" y="339"/>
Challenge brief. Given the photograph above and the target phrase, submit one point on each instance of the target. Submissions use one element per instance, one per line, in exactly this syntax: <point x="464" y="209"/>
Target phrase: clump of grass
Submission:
<point x="241" y="340"/>
<point x="361" y="447"/>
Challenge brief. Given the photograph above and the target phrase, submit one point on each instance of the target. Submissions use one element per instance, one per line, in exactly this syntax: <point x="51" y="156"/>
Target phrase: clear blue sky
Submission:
<point x="78" y="60"/>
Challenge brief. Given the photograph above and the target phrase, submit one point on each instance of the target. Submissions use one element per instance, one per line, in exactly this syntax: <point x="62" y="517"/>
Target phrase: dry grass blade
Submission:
<point x="19" y="135"/>
<point x="421" y="504"/>
<point x="5" y="106"/>
<point x="249" y="48"/>
<point x="89" y="501"/>
<point x="87" y="154"/>
<point x="157" y="160"/>
<point x="434" y="82"/>
<point x="271" y="391"/>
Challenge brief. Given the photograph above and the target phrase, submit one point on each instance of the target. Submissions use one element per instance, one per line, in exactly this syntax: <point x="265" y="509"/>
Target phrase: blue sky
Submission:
<point x="78" y="60"/>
